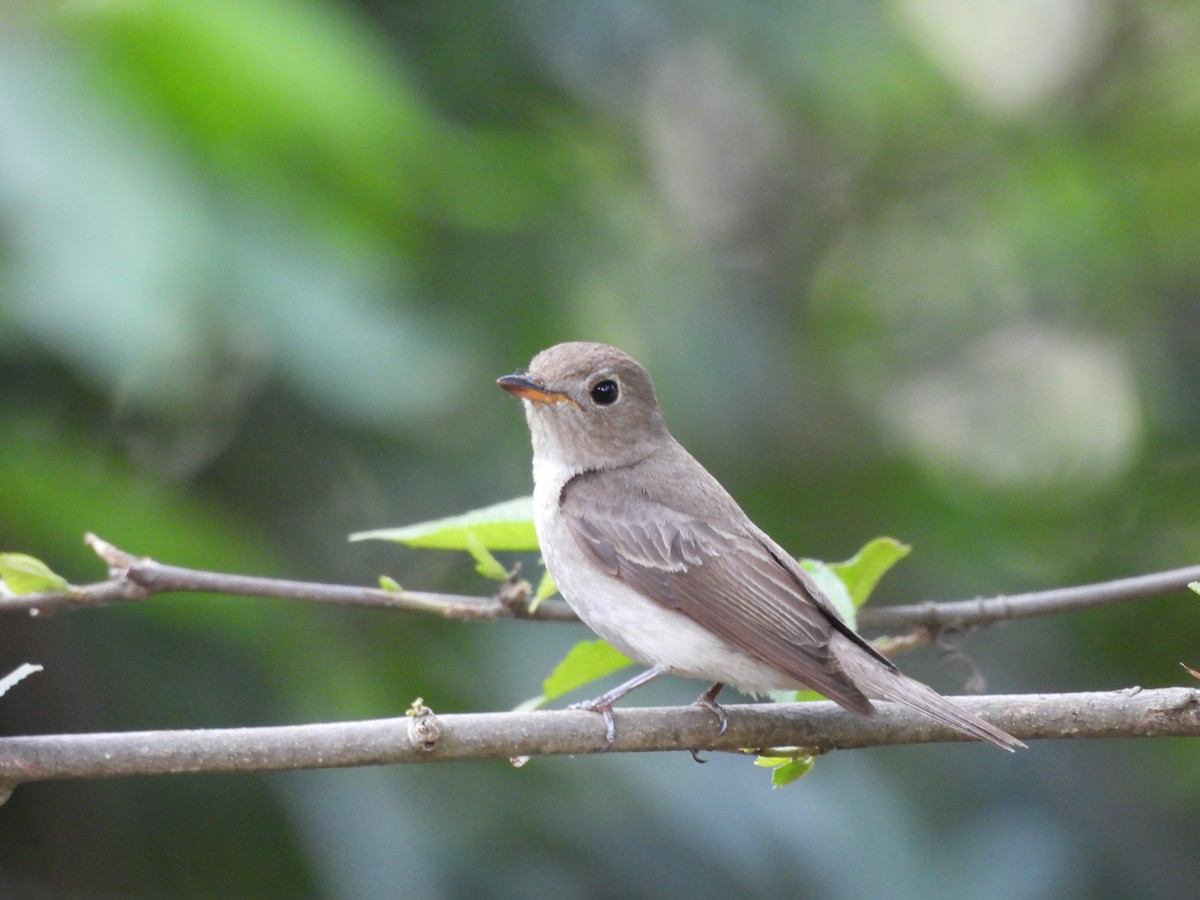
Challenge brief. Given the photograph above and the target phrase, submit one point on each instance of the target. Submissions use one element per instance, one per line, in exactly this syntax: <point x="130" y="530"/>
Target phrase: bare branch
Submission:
<point x="1131" y="713"/>
<point x="1168" y="712"/>
<point x="136" y="578"/>
<point x="988" y="611"/>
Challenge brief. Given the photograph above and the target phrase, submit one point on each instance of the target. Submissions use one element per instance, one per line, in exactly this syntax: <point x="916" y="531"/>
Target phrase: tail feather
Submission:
<point x="880" y="683"/>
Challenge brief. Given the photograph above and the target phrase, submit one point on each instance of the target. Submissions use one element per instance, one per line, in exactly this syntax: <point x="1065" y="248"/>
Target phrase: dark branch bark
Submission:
<point x="1168" y="712"/>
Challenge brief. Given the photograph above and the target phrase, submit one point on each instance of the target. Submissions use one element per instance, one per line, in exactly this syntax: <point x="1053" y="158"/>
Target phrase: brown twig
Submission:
<point x="990" y="610"/>
<point x="139" y="577"/>
<point x="134" y="578"/>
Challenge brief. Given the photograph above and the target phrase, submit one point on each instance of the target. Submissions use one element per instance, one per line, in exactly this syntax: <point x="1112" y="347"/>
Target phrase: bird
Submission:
<point x="657" y="558"/>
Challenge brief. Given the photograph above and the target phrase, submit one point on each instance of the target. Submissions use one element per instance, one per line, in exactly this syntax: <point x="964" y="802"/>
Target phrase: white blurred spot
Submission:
<point x="1011" y="55"/>
<point x="1024" y="409"/>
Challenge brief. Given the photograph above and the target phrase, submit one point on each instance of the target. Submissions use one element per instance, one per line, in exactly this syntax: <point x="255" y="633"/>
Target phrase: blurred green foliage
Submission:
<point x="915" y="267"/>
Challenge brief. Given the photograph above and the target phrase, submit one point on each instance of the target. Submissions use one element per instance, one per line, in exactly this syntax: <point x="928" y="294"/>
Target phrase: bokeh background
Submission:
<point x="923" y="268"/>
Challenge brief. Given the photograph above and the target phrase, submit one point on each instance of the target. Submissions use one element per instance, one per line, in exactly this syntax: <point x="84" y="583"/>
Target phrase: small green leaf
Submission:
<point x="833" y="587"/>
<point x="390" y="584"/>
<point x="27" y="575"/>
<point x="804" y="696"/>
<point x="848" y="585"/>
<point x="545" y="590"/>
<point x="485" y="564"/>
<point x="1195" y="586"/>
<point x="862" y="571"/>
<point x="586" y="662"/>
<point x="503" y="526"/>
<point x="789" y="768"/>
<point x="417" y="709"/>
<point x="791" y="771"/>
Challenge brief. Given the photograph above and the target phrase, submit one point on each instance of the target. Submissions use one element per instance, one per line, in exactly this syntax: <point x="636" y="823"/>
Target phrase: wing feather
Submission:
<point x="734" y="581"/>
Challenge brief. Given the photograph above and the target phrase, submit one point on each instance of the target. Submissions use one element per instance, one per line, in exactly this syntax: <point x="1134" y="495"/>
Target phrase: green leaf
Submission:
<point x="546" y="589"/>
<point x="1195" y="586"/>
<point x="390" y="584"/>
<point x="791" y="771"/>
<point x="485" y="564"/>
<point x="862" y="571"/>
<point x="770" y="762"/>
<point x="503" y="526"/>
<point x="848" y="585"/>
<point x="27" y="575"/>
<point x="833" y="587"/>
<point x="786" y="769"/>
<point x="586" y="662"/>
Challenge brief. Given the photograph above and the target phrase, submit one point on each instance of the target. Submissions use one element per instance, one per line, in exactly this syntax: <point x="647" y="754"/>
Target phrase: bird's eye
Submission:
<point x="604" y="393"/>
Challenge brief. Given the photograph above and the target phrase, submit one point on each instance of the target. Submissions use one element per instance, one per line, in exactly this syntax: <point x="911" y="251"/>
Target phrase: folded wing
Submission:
<point x="737" y="584"/>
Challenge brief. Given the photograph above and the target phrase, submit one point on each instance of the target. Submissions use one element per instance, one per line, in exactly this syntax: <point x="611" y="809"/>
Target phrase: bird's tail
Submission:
<point x="880" y="683"/>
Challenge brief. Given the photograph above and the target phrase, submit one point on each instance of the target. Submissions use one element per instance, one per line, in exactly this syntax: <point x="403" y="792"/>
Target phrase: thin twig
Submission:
<point x="987" y="611"/>
<point x="134" y="578"/>
<point x="139" y="577"/>
<point x="425" y="737"/>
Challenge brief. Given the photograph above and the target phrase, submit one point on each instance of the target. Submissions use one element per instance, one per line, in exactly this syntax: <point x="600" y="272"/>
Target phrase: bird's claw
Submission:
<point x="708" y="700"/>
<point x="605" y="709"/>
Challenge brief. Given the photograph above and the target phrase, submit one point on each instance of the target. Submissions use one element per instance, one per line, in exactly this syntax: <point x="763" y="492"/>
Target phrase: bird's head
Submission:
<point x="589" y="406"/>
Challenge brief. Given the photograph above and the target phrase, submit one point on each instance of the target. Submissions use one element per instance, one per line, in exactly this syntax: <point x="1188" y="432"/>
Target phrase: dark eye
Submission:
<point x="605" y="393"/>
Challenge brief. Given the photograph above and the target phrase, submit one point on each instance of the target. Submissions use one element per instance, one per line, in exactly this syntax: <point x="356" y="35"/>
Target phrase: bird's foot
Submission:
<point x="604" y="703"/>
<point x="604" y="706"/>
<point x="708" y="700"/>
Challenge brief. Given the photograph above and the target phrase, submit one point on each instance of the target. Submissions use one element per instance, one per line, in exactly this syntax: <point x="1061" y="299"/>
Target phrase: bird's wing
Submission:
<point x="734" y="581"/>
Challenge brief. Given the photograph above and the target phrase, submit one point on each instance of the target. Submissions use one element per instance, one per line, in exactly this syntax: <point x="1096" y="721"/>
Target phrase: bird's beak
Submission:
<point x="530" y="387"/>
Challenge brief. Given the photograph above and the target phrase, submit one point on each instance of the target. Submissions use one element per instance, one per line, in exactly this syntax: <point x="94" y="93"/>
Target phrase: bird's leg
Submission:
<point x="604" y="703"/>
<point x="709" y="701"/>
